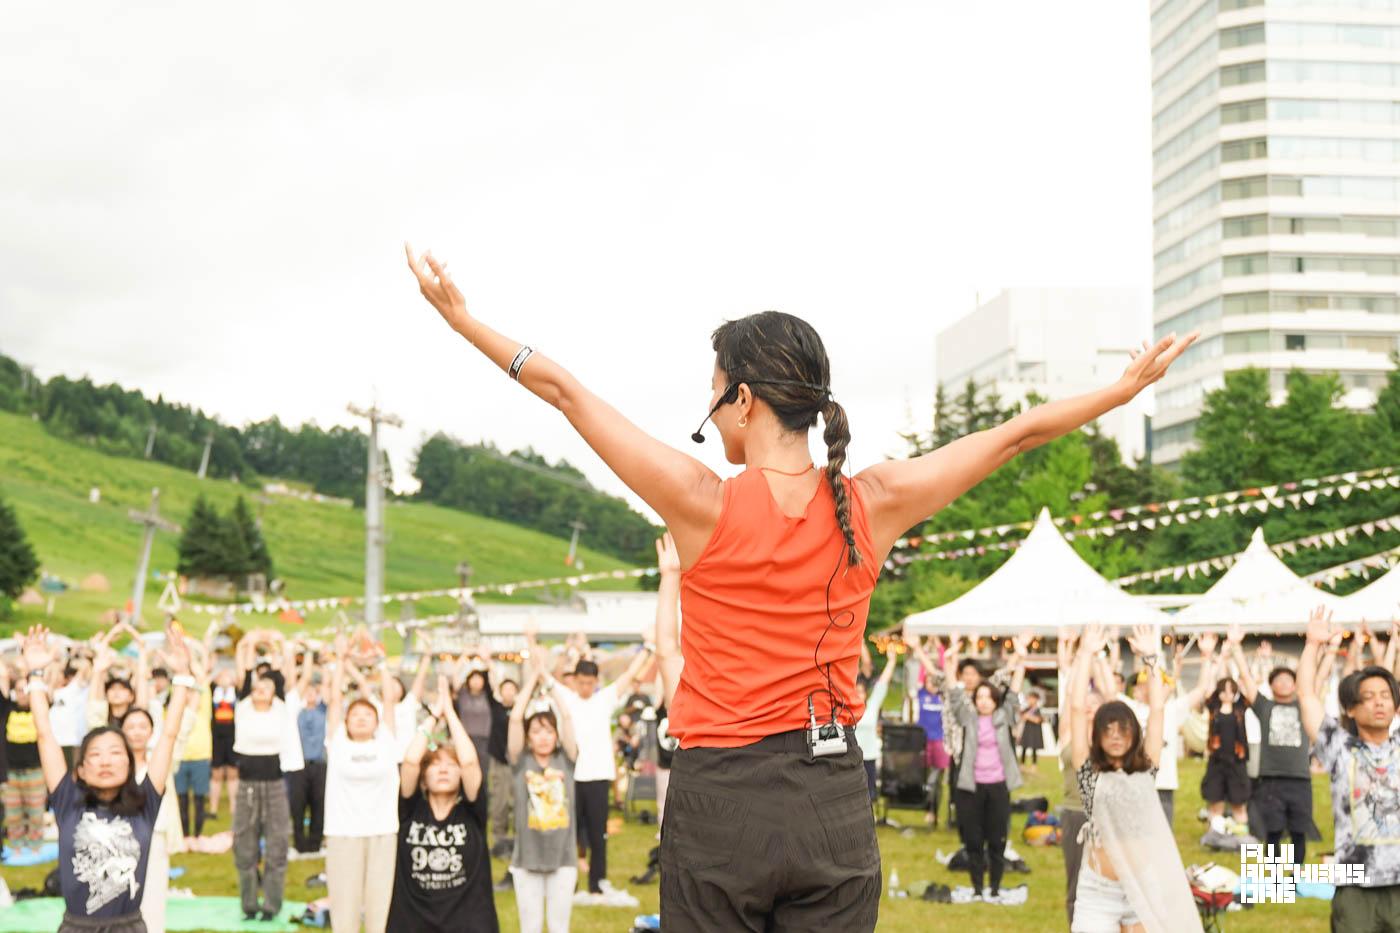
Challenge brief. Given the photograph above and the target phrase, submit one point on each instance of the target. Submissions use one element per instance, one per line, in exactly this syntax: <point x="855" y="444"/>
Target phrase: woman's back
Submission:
<point x="754" y="607"/>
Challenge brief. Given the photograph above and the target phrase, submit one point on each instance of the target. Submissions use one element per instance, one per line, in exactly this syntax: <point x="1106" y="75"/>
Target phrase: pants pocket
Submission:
<point x="850" y="828"/>
<point x="702" y="829"/>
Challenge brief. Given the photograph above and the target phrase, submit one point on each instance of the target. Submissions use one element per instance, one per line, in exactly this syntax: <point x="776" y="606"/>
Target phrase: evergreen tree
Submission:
<point x="259" y="560"/>
<point x="202" y="543"/>
<point x="18" y="565"/>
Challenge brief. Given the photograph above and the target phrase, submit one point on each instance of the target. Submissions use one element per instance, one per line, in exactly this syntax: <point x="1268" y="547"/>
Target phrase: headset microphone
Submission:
<point x="730" y="394"/>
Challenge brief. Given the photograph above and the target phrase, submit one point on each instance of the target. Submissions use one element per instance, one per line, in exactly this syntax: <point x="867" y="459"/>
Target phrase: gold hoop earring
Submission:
<point x="743" y="422"/>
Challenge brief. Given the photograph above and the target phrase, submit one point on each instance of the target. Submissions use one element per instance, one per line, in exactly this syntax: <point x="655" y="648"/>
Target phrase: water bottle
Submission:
<point x="894" y="882"/>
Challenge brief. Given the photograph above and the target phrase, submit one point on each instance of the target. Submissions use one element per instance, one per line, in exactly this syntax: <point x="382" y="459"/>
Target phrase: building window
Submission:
<point x="1244" y="111"/>
<point x="1237" y="36"/>
<point x="1241" y="150"/>
<point x="1295" y="342"/>
<point x="1252" y="225"/>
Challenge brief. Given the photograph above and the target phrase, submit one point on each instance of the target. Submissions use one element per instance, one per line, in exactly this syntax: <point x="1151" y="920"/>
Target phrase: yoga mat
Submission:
<point x="223" y="914"/>
<point x="18" y="858"/>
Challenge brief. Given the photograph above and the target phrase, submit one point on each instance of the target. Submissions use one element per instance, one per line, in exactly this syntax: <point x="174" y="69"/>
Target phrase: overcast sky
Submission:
<point x="209" y="202"/>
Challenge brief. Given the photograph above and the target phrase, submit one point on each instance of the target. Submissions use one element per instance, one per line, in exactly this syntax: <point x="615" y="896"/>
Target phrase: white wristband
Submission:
<point x="183" y="680"/>
<point x="30" y="686"/>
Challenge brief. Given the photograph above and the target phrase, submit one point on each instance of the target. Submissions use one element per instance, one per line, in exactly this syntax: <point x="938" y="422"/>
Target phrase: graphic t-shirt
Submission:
<point x="102" y="856"/>
<point x="544" y="813"/>
<point x="1365" y="800"/>
<point x="1283" y="750"/>
<point x="21" y="740"/>
<point x="223" y="701"/>
<point x="930" y="714"/>
<point x="443" y="880"/>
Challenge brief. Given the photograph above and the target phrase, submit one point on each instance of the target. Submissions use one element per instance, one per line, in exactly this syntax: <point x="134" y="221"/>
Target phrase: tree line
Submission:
<point x="1246" y="438"/>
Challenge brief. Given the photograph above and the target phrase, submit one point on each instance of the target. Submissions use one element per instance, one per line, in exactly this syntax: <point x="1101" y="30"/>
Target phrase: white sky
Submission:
<point x="208" y="201"/>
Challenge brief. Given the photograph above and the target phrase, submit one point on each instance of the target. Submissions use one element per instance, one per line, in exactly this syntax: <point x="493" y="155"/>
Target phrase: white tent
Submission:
<point x="1377" y="603"/>
<point x="1045" y="586"/>
<point x="1260" y="593"/>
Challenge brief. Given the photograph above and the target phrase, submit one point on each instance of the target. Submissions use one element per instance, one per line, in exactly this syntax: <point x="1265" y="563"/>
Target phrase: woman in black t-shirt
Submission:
<point x="105" y="816"/>
<point x="443" y="881"/>
<point x="1227" y="777"/>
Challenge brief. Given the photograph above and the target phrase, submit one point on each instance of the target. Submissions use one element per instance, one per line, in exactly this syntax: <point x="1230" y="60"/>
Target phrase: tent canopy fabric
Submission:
<point x="1043" y="587"/>
<point x="1377" y="602"/>
<point x="1259" y="593"/>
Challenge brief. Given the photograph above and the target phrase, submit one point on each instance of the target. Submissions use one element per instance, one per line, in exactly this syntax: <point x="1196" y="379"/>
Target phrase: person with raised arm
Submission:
<point x="867" y="729"/>
<point x="989" y="772"/>
<point x="443" y="879"/>
<point x="106" y="816"/>
<point x="192" y="777"/>
<point x="306" y="789"/>
<point x="1175" y="711"/>
<point x="1361" y="753"/>
<point x="23" y="795"/>
<point x="929" y="709"/>
<point x="779" y="564"/>
<point x="1284" y="788"/>
<point x="542" y="751"/>
<point x="1227" y="748"/>
<point x="362" y="784"/>
<point x="1131" y="878"/>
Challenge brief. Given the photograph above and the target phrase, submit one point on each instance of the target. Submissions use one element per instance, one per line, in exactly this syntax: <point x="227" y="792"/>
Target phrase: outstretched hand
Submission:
<point x="437" y="286"/>
<point x="37" y="652"/>
<point x="668" y="559"/>
<point x="1321" y="629"/>
<point x="1151" y="362"/>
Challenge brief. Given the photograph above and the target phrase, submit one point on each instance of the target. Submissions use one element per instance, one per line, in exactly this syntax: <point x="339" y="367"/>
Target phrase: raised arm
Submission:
<point x="1248" y="688"/>
<point x="902" y="493"/>
<point x="178" y="654"/>
<point x="515" y="734"/>
<point x="668" y="636"/>
<point x="335" y="704"/>
<point x="683" y="491"/>
<point x="420" y="679"/>
<point x="37" y="656"/>
<point x="1156" y="701"/>
<point x="1320" y="631"/>
<point x="1204" y="677"/>
<point x="466" y="751"/>
<point x="387" y="718"/>
<point x="567" y="741"/>
<point x="413" y="755"/>
<point x="1090" y="644"/>
<point x="639" y="663"/>
<point x="1021" y="643"/>
<point x="1391" y="662"/>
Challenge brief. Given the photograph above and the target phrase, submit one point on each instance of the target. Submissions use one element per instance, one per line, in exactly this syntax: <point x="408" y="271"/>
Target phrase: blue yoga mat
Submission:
<point x="18" y="858"/>
<point x="42" y="914"/>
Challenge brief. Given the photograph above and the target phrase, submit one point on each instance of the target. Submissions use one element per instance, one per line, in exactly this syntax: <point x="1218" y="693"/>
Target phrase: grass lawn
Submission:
<point x="911" y="852"/>
<point x="317" y="549"/>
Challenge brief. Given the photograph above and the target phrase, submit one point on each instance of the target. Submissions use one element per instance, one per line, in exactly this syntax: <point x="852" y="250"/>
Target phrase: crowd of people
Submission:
<point x="325" y="752"/>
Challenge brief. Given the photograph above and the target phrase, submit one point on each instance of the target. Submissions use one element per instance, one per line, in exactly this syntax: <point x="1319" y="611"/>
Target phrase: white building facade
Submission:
<point x="1051" y="342"/>
<point x="1276" y="195"/>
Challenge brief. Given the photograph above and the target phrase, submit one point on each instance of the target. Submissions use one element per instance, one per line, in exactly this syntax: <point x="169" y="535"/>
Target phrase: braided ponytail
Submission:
<point x="837" y="437"/>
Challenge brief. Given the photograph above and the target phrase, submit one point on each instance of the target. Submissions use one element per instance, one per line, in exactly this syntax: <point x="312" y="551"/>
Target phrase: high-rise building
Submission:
<point x="1276" y="195"/>
<point x="1053" y="342"/>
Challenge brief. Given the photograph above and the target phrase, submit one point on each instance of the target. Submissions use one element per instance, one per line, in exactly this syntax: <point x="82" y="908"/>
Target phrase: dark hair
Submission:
<point x="508" y="680"/>
<point x="160" y="672"/>
<point x="782" y="360"/>
<point x="1214" y="702"/>
<point x="446" y="750"/>
<point x="1120" y="713"/>
<point x="545" y="716"/>
<point x="1279" y="672"/>
<point x="135" y="711"/>
<point x="1349" y="691"/>
<point x="130" y="799"/>
<point x="484" y="681"/>
<point x="119" y="682"/>
<point x="966" y="663"/>
<point x="997" y="694"/>
<point x="586" y="668"/>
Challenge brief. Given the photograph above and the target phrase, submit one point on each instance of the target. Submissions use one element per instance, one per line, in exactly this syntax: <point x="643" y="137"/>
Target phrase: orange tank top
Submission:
<point x="753" y="608"/>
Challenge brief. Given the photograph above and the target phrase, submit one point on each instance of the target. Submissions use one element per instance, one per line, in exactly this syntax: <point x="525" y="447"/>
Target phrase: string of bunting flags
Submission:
<point x="1268" y="497"/>
<point x="1323" y="539"/>
<point x="456" y="592"/>
<point x="1361" y="567"/>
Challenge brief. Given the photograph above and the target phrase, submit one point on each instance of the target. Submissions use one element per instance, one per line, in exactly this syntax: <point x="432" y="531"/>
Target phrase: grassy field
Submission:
<point x="318" y="549"/>
<point x="910" y="851"/>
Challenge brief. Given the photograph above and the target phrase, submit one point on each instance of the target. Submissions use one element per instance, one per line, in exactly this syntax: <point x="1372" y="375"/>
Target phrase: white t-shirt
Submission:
<point x="1174" y="713"/>
<point x="362" y="785"/>
<point x="272" y="731"/>
<point x="68" y="714"/>
<point x="592" y="720"/>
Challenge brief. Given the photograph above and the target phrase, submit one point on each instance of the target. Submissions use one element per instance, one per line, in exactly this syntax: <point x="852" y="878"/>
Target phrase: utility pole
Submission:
<point x="374" y="513"/>
<point x="152" y="520"/>
<point x="577" y="526"/>
<point x="151" y="440"/>
<point x="204" y="463"/>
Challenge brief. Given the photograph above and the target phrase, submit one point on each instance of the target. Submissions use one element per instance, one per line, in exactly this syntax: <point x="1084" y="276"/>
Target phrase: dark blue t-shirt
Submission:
<point x="930" y="714"/>
<point x="102" y="856"/>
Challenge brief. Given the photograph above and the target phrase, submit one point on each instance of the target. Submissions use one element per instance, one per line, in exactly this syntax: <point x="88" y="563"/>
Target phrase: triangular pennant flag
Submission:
<point x="1269" y="491"/>
<point x="1345" y="491"/>
<point x="1191" y="571"/>
<point x="1149" y="523"/>
<point x="1310" y="497"/>
<point x="1213" y="512"/>
<point x="1178" y="573"/>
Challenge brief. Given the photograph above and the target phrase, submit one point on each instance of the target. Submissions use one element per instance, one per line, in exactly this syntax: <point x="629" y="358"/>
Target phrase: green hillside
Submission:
<point x="318" y="549"/>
